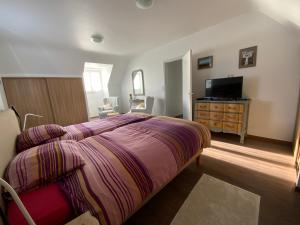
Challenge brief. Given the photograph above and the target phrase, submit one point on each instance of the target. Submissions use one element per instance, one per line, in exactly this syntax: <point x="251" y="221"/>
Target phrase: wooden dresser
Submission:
<point x="223" y="116"/>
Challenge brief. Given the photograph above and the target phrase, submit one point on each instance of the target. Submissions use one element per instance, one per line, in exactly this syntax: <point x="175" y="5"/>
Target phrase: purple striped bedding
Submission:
<point x="43" y="164"/>
<point x="125" y="166"/>
<point x="80" y="131"/>
<point x="37" y="135"/>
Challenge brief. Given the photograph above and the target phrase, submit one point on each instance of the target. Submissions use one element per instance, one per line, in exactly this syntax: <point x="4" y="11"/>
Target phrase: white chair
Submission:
<point x="110" y="105"/>
<point x="148" y="106"/>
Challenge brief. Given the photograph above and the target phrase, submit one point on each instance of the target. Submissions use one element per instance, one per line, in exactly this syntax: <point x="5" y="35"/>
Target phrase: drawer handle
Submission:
<point x="233" y="108"/>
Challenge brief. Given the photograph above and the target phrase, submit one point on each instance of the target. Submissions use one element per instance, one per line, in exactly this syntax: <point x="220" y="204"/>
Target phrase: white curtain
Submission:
<point x="96" y="81"/>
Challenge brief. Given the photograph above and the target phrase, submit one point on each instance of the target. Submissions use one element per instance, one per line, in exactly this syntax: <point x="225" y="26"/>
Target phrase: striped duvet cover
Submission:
<point x="80" y="131"/>
<point x="125" y="166"/>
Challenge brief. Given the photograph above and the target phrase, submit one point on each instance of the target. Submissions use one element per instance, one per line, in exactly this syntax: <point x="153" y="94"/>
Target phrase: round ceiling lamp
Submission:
<point x="97" y="38"/>
<point x="144" y="4"/>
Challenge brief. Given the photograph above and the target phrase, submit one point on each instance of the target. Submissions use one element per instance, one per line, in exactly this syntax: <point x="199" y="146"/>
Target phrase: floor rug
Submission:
<point x="215" y="202"/>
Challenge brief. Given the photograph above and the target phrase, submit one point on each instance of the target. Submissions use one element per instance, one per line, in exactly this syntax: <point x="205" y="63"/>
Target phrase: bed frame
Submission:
<point x="10" y="129"/>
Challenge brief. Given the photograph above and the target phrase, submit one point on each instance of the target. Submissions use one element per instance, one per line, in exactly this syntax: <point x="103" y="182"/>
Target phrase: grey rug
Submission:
<point x="215" y="202"/>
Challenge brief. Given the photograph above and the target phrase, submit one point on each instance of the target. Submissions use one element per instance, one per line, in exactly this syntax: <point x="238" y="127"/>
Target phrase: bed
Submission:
<point x="124" y="166"/>
<point x="80" y="131"/>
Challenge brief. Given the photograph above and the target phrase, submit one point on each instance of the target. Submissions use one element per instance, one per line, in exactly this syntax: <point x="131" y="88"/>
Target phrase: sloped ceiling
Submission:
<point x="127" y="30"/>
<point x="286" y="12"/>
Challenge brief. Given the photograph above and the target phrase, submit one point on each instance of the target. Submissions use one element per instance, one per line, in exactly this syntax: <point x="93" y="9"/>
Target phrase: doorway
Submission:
<point x="173" y="85"/>
<point x="178" y="87"/>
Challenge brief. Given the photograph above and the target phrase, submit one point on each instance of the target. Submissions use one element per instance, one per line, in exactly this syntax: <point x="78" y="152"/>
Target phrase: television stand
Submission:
<point x="227" y="116"/>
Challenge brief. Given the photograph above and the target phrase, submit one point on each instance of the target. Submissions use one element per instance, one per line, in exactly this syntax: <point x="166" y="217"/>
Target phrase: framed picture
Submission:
<point x="205" y="63"/>
<point x="248" y="57"/>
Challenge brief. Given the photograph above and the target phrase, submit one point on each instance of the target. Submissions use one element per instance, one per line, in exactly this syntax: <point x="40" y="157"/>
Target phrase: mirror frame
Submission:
<point x="143" y="82"/>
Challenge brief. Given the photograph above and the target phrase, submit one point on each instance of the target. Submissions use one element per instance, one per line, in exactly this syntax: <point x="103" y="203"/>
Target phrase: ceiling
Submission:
<point x="127" y="30"/>
<point x="286" y="12"/>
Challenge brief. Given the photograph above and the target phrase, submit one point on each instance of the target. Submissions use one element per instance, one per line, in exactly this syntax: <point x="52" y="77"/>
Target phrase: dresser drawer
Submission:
<point x="203" y="122"/>
<point x="233" y="117"/>
<point x="202" y="114"/>
<point x="232" y="127"/>
<point x="216" y="116"/>
<point x="215" y="124"/>
<point x="202" y="106"/>
<point x="216" y="107"/>
<point x="234" y="108"/>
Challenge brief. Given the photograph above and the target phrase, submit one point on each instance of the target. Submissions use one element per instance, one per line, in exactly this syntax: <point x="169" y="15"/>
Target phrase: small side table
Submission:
<point x="84" y="219"/>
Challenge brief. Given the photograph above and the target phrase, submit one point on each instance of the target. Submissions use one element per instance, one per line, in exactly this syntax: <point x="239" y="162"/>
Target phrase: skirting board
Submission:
<point x="289" y="143"/>
<point x="254" y="137"/>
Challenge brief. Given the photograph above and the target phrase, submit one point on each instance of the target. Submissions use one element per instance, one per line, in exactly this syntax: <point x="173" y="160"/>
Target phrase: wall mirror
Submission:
<point x="138" y="83"/>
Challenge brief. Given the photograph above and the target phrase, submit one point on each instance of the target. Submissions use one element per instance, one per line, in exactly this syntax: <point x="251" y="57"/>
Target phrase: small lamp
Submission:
<point x="18" y="201"/>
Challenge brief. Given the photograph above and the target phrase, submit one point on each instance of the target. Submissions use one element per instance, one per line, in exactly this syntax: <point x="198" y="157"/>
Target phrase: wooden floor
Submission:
<point x="260" y="167"/>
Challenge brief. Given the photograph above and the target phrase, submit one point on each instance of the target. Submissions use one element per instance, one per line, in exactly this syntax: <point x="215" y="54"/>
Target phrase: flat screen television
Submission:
<point x="224" y="88"/>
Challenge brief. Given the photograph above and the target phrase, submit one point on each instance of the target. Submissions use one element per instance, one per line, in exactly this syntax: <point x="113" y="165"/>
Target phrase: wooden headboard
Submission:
<point x="9" y="130"/>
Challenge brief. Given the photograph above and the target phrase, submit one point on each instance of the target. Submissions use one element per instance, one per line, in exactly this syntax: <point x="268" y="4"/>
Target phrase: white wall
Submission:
<point x="173" y="85"/>
<point x="272" y="85"/>
<point x="23" y="58"/>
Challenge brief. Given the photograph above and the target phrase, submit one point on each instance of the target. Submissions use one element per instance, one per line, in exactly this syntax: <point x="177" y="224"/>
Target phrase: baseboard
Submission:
<point x="276" y="141"/>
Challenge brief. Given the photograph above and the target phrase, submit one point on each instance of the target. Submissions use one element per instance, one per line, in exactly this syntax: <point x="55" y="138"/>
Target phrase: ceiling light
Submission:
<point x="97" y="38"/>
<point x="144" y="4"/>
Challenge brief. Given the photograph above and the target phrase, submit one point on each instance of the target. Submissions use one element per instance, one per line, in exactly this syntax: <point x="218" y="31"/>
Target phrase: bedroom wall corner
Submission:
<point x="272" y="85"/>
<point x="22" y="58"/>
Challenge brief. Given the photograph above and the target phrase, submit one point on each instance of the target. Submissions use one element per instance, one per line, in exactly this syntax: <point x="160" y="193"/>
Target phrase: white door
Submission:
<point x="187" y="85"/>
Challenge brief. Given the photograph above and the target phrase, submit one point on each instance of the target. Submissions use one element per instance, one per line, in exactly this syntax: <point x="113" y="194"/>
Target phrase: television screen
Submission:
<point x="227" y="88"/>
